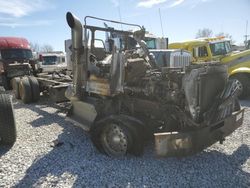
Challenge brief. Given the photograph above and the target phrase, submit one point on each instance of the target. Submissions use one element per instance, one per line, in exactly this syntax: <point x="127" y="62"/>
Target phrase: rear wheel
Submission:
<point x="7" y="121"/>
<point x="116" y="137"/>
<point x="242" y="82"/>
<point x="25" y="90"/>
<point x="34" y="88"/>
<point x="15" y="85"/>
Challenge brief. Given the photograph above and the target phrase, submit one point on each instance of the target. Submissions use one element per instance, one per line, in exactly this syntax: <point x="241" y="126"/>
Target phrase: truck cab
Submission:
<point x="16" y="59"/>
<point x="154" y="42"/>
<point x="219" y="49"/>
<point x="52" y="61"/>
<point x="204" y="50"/>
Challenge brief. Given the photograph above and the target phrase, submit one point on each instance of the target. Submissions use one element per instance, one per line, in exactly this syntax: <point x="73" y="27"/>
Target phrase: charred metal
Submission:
<point x="123" y="98"/>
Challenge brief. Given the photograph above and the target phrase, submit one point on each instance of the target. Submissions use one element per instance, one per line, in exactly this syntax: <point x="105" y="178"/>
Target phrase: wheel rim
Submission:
<point x="114" y="140"/>
<point x="239" y="86"/>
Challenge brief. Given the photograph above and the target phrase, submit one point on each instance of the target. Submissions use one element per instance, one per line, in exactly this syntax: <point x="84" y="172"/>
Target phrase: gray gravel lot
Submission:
<point x="34" y="162"/>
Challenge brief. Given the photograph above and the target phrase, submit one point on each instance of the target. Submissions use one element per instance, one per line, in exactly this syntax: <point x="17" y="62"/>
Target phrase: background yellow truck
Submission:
<point x="219" y="49"/>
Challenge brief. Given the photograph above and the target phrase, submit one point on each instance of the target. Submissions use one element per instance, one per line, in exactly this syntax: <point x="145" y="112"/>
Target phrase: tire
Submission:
<point x="116" y="126"/>
<point x="5" y="83"/>
<point x="138" y="139"/>
<point x="7" y="121"/>
<point x="15" y="85"/>
<point x="34" y="88"/>
<point x="243" y="80"/>
<point x="25" y="90"/>
<point x="2" y="90"/>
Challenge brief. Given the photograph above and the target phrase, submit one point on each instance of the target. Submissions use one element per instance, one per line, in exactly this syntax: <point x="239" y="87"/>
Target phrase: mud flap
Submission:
<point x="182" y="144"/>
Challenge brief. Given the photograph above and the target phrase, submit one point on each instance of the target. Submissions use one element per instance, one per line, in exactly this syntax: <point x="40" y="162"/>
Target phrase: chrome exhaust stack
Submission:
<point x="81" y="113"/>
<point x="79" y="63"/>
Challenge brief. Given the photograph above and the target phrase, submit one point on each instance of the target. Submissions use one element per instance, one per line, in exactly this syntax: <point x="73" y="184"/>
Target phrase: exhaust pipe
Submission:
<point x="79" y="63"/>
<point x="76" y="30"/>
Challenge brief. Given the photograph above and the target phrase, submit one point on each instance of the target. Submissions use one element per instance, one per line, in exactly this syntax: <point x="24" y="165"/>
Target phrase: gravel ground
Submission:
<point x="34" y="162"/>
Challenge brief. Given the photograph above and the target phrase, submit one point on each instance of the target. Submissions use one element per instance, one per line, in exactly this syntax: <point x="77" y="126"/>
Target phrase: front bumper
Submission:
<point x="187" y="143"/>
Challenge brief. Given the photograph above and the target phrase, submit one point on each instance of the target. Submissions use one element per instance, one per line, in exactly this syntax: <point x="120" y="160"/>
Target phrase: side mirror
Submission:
<point x="40" y="57"/>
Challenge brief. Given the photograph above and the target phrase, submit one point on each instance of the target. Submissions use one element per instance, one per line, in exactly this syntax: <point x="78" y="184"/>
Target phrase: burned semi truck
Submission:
<point x="125" y="99"/>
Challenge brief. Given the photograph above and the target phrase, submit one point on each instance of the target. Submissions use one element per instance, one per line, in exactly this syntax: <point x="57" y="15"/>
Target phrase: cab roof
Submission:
<point x="203" y="40"/>
<point x="198" y="42"/>
<point x="14" y="42"/>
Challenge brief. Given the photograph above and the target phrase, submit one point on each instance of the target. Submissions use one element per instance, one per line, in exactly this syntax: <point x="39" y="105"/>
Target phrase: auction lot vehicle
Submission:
<point x="7" y="119"/>
<point x="15" y="59"/>
<point x="16" y="67"/>
<point x="52" y="61"/>
<point x="219" y="49"/>
<point x="125" y="98"/>
<point x="18" y="71"/>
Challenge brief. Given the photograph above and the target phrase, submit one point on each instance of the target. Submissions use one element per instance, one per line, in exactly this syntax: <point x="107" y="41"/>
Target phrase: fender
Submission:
<point x="240" y="70"/>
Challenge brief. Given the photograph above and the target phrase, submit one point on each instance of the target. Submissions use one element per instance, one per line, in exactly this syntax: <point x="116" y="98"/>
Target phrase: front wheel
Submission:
<point x="242" y="82"/>
<point x="115" y="136"/>
<point x="7" y="121"/>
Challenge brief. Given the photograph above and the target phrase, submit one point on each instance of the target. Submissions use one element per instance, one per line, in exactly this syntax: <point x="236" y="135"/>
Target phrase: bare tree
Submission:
<point x="47" y="48"/>
<point x="35" y="47"/>
<point x="205" y="32"/>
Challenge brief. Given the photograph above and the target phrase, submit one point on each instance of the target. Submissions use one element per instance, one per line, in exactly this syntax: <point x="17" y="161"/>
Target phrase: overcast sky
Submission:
<point x="43" y="21"/>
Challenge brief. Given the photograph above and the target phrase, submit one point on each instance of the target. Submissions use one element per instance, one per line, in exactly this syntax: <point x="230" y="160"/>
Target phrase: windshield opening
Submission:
<point x="16" y="54"/>
<point x="49" y="60"/>
<point x="150" y="43"/>
<point x="220" y="48"/>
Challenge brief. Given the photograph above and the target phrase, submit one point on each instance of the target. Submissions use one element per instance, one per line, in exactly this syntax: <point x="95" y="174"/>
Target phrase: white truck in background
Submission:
<point x="154" y="42"/>
<point x="68" y="45"/>
<point x="52" y="61"/>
